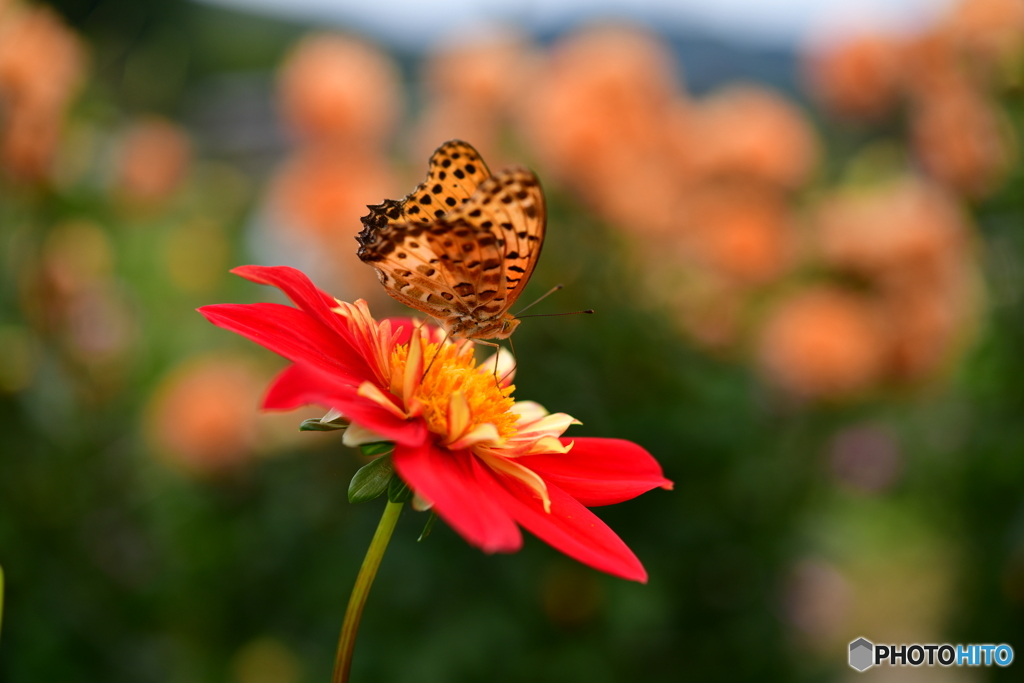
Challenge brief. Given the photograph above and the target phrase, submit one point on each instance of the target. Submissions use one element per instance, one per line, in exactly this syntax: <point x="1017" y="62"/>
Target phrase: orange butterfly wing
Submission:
<point x="465" y="266"/>
<point x="455" y="171"/>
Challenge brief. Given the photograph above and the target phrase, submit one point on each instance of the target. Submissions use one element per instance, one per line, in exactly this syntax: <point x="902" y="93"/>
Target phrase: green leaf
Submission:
<point x="428" y="526"/>
<point x="371" y="480"/>
<point x="398" y="490"/>
<point x="314" y="424"/>
<point x="378" y="448"/>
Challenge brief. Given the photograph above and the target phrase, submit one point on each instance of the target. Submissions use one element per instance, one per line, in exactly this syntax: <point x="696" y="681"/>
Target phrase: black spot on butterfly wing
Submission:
<point x="502" y="260"/>
<point x="438" y="187"/>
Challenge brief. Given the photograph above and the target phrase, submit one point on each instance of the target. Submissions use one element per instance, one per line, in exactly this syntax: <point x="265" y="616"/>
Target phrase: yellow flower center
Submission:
<point x="456" y="370"/>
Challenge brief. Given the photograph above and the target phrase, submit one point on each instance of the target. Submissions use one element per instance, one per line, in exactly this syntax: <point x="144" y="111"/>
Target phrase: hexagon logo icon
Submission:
<point x="861" y="654"/>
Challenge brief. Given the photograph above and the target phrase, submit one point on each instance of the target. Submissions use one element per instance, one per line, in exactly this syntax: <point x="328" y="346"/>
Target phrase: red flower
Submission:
<point x="483" y="461"/>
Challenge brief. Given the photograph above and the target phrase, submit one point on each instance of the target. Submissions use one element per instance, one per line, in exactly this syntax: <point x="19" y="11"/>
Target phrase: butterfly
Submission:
<point x="462" y="245"/>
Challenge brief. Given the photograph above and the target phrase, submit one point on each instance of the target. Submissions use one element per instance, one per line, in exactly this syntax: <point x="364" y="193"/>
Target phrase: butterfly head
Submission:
<point x="495" y="328"/>
<point x="508" y="325"/>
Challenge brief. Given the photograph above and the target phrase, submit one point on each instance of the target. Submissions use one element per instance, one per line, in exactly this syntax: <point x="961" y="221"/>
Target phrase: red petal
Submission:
<point x="293" y="334"/>
<point x="404" y="326"/>
<point x="569" y="527"/>
<point x="600" y="471"/>
<point x="302" y="385"/>
<point x="310" y="299"/>
<point x="446" y="478"/>
<point x="299" y="288"/>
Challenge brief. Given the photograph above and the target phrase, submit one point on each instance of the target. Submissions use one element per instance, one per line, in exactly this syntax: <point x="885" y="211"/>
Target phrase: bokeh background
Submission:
<point x="806" y="250"/>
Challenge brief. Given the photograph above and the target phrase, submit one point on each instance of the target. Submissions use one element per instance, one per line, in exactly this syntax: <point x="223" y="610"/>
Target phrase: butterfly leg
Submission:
<point x="447" y="336"/>
<point x="515" y="361"/>
<point x="497" y="357"/>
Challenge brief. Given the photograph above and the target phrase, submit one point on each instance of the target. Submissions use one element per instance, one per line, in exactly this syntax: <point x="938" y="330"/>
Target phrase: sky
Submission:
<point x="416" y="24"/>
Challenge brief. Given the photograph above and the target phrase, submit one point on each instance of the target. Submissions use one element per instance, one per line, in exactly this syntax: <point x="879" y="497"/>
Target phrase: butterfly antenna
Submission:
<point x="447" y="336"/>
<point x="542" y="297"/>
<point x="546" y="315"/>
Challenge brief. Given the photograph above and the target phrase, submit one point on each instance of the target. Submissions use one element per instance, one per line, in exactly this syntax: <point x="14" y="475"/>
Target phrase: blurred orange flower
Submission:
<point x="340" y="89"/>
<point x="961" y="139"/>
<point x="451" y="119"/>
<point x="639" y="194"/>
<point x="202" y="417"/>
<point x="325" y="191"/>
<point x="471" y="89"/>
<point x="319" y="196"/>
<point x="742" y="230"/>
<point x="913" y="245"/>
<point x="989" y="31"/>
<point x="824" y="342"/>
<point x="890" y="232"/>
<point x="858" y="78"/>
<point x="603" y="90"/>
<point x="342" y="98"/>
<point x="721" y="241"/>
<point x="29" y="140"/>
<point x="928" y="326"/>
<point x="41" y="66"/>
<point x="748" y="131"/>
<point x="489" y="71"/>
<point x="153" y="161"/>
<point x="932" y="63"/>
<point x="41" y="60"/>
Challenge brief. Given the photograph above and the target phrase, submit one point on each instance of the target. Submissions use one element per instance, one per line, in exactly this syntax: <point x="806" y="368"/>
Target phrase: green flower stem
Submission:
<point x="361" y="590"/>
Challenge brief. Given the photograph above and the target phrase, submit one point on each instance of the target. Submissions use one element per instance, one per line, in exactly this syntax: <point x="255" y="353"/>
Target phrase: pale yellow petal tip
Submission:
<point x="482" y="435"/>
<point x="501" y="364"/>
<point x="550" y="425"/>
<point x="371" y="391"/>
<point x="549" y="444"/>
<point x="420" y="504"/>
<point x="525" y="475"/>
<point x="332" y="415"/>
<point x="459" y="415"/>
<point x="529" y="412"/>
<point x="345" y="309"/>
<point x="357" y="435"/>
<point x="413" y="374"/>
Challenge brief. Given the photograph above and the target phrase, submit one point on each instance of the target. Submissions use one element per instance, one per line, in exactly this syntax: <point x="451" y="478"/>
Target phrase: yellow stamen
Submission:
<point x="456" y="395"/>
